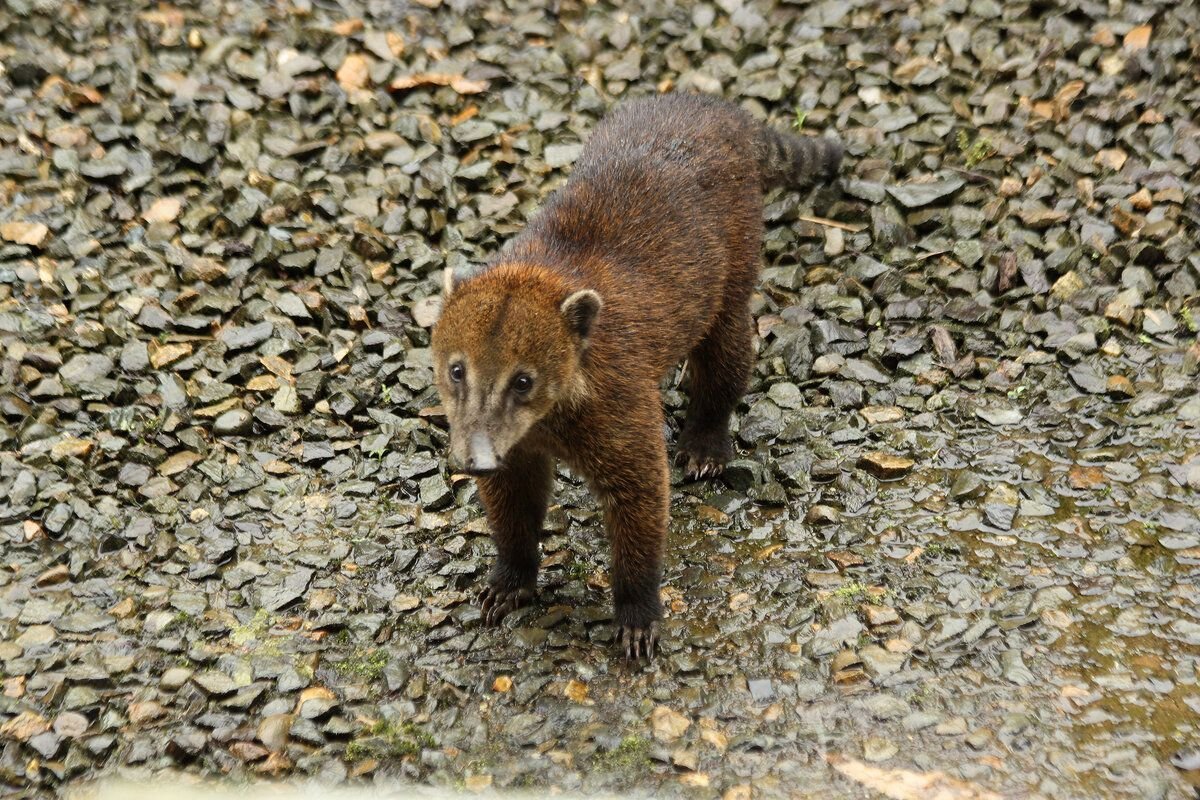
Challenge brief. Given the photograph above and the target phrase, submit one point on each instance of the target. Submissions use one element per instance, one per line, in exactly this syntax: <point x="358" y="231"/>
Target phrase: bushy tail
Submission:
<point x="789" y="160"/>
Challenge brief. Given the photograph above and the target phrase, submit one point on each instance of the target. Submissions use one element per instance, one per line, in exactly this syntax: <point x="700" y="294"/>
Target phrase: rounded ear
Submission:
<point x="447" y="282"/>
<point x="580" y="310"/>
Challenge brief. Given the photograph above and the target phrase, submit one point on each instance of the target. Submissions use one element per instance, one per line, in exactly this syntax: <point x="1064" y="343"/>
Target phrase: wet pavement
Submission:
<point x="959" y="548"/>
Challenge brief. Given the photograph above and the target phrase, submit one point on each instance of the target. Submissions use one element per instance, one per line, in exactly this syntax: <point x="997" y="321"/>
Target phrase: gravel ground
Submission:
<point x="959" y="550"/>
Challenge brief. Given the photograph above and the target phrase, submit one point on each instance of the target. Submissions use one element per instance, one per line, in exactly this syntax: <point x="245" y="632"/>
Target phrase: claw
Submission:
<point x="495" y="603"/>
<point x="638" y="643"/>
<point x="700" y="470"/>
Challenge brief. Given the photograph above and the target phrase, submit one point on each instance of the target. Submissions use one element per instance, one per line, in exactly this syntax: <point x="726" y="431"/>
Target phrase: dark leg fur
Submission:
<point x="515" y="500"/>
<point x="637" y="523"/>
<point x="635" y="499"/>
<point x="720" y="370"/>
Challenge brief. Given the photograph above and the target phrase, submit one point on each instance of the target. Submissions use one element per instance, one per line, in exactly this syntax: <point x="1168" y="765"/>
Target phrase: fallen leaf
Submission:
<point x="141" y="713"/>
<point x="354" y="72"/>
<point x="348" y="27"/>
<point x="178" y="463"/>
<point x="164" y="209"/>
<point x="163" y="354"/>
<point x="24" y="726"/>
<point x="1113" y="158"/>
<point x="903" y="784"/>
<point x="464" y="115"/>
<point x="576" y="691"/>
<point x="30" y="233"/>
<point x="1138" y="38"/>
<point x="715" y="738"/>
<point x="1064" y="98"/>
<point x="422" y="80"/>
<point x="71" y="447"/>
<point x="315" y="693"/>
<point x="668" y="725"/>
<point x="478" y="783"/>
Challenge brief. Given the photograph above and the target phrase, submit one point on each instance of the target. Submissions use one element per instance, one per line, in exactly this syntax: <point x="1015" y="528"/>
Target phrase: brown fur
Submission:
<point x="662" y="218"/>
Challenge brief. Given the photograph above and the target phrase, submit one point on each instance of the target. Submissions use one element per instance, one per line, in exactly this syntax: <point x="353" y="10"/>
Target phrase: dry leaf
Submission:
<point x="178" y="463"/>
<point x="262" y="383"/>
<point x="30" y="233"/>
<point x="464" y="115"/>
<point x="395" y="43"/>
<point x="165" y="15"/>
<point x="71" y="447"/>
<point x="1064" y="98"/>
<point x="668" y="725"/>
<point x="24" y="726"/>
<point x="348" y="27"/>
<point x="164" y="209"/>
<point x="423" y="80"/>
<point x="478" y="783"/>
<point x="1114" y="158"/>
<point x="1104" y="37"/>
<point x="355" y="72"/>
<point x="163" y="354"/>
<point x="576" y="691"/>
<point x="315" y="693"/>
<point x="903" y="784"/>
<point x="1138" y="38"/>
<point x="141" y="713"/>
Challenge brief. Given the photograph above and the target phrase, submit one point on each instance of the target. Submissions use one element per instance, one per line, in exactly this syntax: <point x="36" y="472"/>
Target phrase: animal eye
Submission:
<point x="522" y="384"/>
<point x="457" y="372"/>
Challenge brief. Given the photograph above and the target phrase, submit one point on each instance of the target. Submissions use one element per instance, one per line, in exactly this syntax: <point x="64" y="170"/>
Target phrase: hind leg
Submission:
<point x="720" y="369"/>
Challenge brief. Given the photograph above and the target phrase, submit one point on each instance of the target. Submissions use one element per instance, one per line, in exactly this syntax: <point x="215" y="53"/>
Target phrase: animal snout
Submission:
<point x="481" y="455"/>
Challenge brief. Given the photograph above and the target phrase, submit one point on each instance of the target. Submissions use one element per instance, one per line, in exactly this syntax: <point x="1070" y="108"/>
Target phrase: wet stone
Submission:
<point x="761" y="690"/>
<point x="822" y="515"/>
<point x="1088" y="378"/>
<point x="1000" y="506"/>
<point x="999" y="416"/>
<point x="216" y="683"/>
<point x="85" y="368"/>
<point x="966" y="484"/>
<point x="240" y="337"/>
<point x="881" y="663"/>
<point x="1148" y="403"/>
<point x="764" y="421"/>
<point x="916" y="195"/>
<point x="233" y="422"/>
<point x="886" y="466"/>
<point x="435" y="493"/>
<point x="742" y="473"/>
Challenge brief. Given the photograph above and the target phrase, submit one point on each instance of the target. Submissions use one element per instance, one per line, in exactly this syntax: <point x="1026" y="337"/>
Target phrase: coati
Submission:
<point x="556" y="349"/>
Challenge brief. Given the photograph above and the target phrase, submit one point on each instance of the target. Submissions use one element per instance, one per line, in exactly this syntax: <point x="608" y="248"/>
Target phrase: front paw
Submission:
<point x="637" y="627"/>
<point x="638" y="642"/>
<point x="703" y="455"/>
<point x="496" y="601"/>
